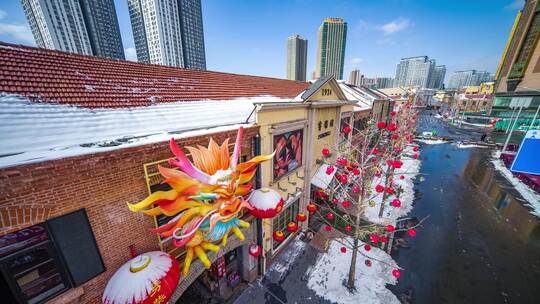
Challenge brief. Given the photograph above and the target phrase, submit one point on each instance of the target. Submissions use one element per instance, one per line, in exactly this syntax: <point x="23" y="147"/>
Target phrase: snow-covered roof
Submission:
<point x="33" y="132"/>
<point x="58" y="77"/>
<point x="55" y="104"/>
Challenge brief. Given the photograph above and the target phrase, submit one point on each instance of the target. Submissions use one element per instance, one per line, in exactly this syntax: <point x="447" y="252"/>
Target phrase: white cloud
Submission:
<point x="131" y="54"/>
<point x="2" y="14"/>
<point x="395" y="26"/>
<point x="356" y="61"/>
<point x="20" y="32"/>
<point x="515" y="5"/>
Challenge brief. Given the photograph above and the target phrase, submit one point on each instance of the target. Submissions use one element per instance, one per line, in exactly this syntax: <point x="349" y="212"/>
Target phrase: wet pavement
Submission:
<point x="479" y="245"/>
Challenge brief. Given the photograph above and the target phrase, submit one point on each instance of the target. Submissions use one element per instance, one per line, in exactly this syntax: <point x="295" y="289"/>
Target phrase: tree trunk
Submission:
<point x="352" y="269"/>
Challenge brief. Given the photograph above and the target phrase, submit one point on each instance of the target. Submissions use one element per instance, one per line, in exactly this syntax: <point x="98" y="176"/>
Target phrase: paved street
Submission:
<point x="469" y="250"/>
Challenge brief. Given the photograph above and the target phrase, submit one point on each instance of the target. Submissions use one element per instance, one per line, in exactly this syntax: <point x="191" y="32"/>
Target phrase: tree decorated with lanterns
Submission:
<point x="362" y="171"/>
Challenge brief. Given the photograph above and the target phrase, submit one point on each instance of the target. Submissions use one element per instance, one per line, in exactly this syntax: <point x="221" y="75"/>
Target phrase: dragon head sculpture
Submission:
<point x="206" y="197"/>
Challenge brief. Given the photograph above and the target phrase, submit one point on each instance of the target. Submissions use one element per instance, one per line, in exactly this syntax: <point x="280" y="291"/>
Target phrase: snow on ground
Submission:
<point x="431" y="141"/>
<point x="532" y="198"/>
<point x="465" y="146"/>
<point x="410" y="170"/>
<point x="33" y="131"/>
<point x="330" y="273"/>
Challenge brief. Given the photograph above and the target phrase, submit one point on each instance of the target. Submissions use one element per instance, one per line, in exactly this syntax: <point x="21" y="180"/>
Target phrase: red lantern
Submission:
<point x="343" y="179"/>
<point x="292" y="227"/>
<point x="328" y="228"/>
<point x="381" y="124"/>
<point x="379" y="188"/>
<point x="356" y="172"/>
<point x="266" y="203"/>
<point x="415" y="149"/>
<point x="255" y="250"/>
<point x="411" y="232"/>
<point x="348" y="228"/>
<point x="346" y="204"/>
<point x="390" y="190"/>
<point x="390" y="228"/>
<point x="325" y="152"/>
<point x="378" y="173"/>
<point x="341" y="162"/>
<point x="330" y="216"/>
<point x="383" y="239"/>
<point x="396" y="273"/>
<point x="278" y="235"/>
<point x="374" y="151"/>
<point x="394" y="136"/>
<point x="343" y="249"/>
<point x="311" y="208"/>
<point x="367" y="247"/>
<point x="374" y="238"/>
<point x="151" y="277"/>
<point x="335" y="201"/>
<point x="391" y="127"/>
<point x="415" y="156"/>
<point x="401" y="177"/>
<point x="346" y="130"/>
<point x="329" y="170"/>
<point x="355" y="189"/>
<point x="301" y="217"/>
<point x="396" y="203"/>
<point x="392" y="113"/>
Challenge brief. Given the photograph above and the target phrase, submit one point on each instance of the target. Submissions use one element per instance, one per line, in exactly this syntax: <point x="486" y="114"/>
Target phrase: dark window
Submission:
<point x="44" y="260"/>
<point x="31" y="266"/>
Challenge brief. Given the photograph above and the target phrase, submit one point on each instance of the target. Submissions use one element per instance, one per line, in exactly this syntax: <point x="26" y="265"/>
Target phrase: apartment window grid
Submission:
<point x="287" y="215"/>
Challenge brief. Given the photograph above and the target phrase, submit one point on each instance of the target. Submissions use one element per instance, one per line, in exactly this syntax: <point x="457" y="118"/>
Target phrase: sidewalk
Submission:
<point x="286" y="280"/>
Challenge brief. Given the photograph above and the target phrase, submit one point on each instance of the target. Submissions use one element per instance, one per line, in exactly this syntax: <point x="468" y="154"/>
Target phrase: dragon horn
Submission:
<point x="185" y="165"/>
<point x="237" y="149"/>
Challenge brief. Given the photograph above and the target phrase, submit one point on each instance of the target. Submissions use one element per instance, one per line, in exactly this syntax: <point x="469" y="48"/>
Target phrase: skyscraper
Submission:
<point x="296" y="58"/>
<point x="437" y="77"/>
<point x="79" y="26"/>
<point x="191" y="26"/>
<point x="467" y="78"/>
<point x="331" y="42"/>
<point x="168" y="32"/>
<point x="355" y="77"/>
<point x="414" y="71"/>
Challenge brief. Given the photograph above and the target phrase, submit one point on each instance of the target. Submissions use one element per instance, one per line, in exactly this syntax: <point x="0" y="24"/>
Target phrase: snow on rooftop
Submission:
<point x="33" y="132"/>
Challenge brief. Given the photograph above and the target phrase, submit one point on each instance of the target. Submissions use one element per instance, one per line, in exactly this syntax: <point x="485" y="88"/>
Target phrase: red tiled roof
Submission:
<point x="58" y="77"/>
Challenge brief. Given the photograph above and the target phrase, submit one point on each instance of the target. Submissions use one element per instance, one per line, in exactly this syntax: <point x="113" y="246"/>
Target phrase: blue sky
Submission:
<point x="249" y="37"/>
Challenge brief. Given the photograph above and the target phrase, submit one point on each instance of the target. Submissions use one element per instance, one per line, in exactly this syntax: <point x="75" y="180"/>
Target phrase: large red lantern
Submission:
<point x="267" y="203"/>
<point x="149" y="278"/>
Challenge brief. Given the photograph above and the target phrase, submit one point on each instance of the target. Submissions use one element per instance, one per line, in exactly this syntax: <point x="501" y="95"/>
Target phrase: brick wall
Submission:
<point x="102" y="183"/>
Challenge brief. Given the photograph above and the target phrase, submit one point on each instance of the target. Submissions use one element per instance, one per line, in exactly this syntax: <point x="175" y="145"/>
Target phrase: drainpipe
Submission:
<point x="258" y="221"/>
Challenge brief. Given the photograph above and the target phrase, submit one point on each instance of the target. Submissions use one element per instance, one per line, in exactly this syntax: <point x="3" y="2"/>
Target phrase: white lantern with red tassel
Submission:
<point x="149" y="278"/>
<point x="266" y="203"/>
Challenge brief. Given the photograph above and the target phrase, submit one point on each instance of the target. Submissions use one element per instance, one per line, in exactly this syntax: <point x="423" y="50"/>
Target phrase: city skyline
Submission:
<point x="371" y="41"/>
